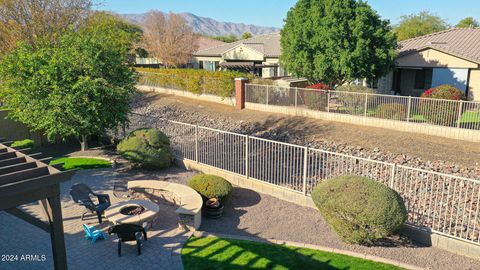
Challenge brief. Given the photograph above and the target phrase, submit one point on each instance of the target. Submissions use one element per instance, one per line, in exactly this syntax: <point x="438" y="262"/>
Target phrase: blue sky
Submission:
<point x="272" y="12"/>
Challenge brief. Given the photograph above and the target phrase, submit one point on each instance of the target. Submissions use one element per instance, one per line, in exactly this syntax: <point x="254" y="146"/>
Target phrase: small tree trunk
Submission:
<point x="84" y="143"/>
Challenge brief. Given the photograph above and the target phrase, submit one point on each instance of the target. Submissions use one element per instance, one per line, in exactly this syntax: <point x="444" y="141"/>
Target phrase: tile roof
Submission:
<point x="207" y="43"/>
<point x="268" y="44"/>
<point x="461" y="42"/>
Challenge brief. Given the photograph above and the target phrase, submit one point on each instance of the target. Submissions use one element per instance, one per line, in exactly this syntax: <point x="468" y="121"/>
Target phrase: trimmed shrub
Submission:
<point x="444" y="91"/>
<point x="146" y="148"/>
<point x="359" y="209"/>
<point x="27" y="143"/>
<point x="394" y="111"/>
<point x="353" y="102"/>
<point x="211" y="186"/>
<point x="197" y="81"/>
<point x="442" y="112"/>
<point x="316" y="100"/>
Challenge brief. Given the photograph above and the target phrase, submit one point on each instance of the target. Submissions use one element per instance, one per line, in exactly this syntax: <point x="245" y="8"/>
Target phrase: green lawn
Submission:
<point x="27" y="143"/>
<point x="82" y="163"/>
<point x="211" y="253"/>
<point x="470" y="117"/>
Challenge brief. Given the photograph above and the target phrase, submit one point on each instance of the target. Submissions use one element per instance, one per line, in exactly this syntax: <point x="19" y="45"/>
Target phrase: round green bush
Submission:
<point x="359" y="209"/>
<point x="211" y="186"/>
<point x="394" y="111"/>
<point x="147" y="148"/>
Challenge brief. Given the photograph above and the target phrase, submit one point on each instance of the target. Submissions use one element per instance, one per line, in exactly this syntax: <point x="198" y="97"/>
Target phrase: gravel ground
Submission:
<point x="415" y="150"/>
<point x="257" y="215"/>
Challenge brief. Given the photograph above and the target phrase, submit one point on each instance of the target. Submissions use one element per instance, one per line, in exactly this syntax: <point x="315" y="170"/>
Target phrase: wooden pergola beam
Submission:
<point x="24" y="180"/>
<point x="29" y="218"/>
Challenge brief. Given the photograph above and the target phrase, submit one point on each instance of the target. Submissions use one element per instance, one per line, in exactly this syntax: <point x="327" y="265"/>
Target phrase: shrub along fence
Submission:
<point x="439" y="112"/>
<point x="445" y="204"/>
<point x="191" y="80"/>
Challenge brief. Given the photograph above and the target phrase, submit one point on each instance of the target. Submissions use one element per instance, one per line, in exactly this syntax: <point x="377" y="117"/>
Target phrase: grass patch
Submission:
<point x="81" y="163"/>
<point x="218" y="253"/>
<point x="470" y="117"/>
<point x="27" y="143"/>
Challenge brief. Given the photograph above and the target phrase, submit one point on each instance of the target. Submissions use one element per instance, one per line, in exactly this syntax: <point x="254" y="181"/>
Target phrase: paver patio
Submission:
<point x="248" y="214"/>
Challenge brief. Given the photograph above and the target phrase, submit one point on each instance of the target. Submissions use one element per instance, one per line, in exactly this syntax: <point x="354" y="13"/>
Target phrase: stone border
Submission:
<point x="310" y="246"/>
<point x="433" y="239"/>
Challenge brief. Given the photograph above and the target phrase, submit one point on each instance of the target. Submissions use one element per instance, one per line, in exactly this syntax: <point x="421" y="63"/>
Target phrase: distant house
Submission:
<point x="258" y="55"/>
<point x="204" y="43"/>
<point x="447" y="57"/>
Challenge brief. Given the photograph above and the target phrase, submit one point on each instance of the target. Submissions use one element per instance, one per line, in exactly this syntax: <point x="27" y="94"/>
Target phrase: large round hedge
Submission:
<point x="147" y="148"/>
<point x="442" y="112"/>
<point x="211" y="186"/>
<point x="359" y="209"/>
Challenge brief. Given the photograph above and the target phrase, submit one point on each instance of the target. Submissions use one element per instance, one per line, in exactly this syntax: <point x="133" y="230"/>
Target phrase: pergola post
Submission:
<point x="54" y="210"/>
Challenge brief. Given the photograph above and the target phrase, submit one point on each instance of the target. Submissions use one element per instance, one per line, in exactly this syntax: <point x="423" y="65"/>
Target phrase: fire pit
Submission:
<point x="134" y="211"/>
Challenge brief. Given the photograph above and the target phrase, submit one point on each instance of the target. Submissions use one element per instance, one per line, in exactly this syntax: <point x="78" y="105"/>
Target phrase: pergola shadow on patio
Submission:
<point x="24" y="180"/>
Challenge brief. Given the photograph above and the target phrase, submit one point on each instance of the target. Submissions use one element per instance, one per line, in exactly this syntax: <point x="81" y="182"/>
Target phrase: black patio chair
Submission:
<point x="81" y="194"/>
<point x="129" y="232"/>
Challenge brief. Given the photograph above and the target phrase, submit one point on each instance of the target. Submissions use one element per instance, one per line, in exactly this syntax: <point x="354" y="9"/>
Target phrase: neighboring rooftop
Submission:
<point x="205" y="43"/>
<point x="461" y="42"/>
<point x="268" y="44"/>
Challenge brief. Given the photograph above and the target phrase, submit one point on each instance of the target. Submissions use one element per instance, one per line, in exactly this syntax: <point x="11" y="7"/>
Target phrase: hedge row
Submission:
<point x="196" y="81"/>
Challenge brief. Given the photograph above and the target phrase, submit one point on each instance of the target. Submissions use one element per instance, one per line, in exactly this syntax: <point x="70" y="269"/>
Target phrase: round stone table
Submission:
<point x="113" y="212"/>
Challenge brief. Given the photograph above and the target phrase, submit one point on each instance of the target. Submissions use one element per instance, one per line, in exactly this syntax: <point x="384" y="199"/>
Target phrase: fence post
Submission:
<point x="267" y="94"/>
<point x="296" y="97"/>
<point x="409" y="108"/>
<point x="196" y="144"/>
<point x="305" y="161"/>
<point x="247" y="158"/>
<point x="460" y="105"/>
<point x="328" y="100"/>
<point x="366" y="105"/>
<point x="392" y="174"/>
<point x="240" y="88"/>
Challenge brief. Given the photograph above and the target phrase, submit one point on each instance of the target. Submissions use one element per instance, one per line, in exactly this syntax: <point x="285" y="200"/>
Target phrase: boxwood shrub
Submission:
<point x="211" y="186"/>
<point x="147" y="148"/>
<point x="359" y="209"/>
<point x="197" y="81"/>
<point x="394" y="111"/>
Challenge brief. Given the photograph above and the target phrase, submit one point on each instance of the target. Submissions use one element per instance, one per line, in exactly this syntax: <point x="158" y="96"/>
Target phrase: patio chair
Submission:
<point x="129" y="232"/>
<point x="92" y="233"/>
<point x="81" y="194"/>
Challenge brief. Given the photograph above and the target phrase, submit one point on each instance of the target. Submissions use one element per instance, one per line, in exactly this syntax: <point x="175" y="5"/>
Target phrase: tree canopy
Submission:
<point x="32" y="20"/>
<point x="415" y="25"/>
<point x="246" y="35"/>
<point x="336" y="41"/>
<point x="467" y="22"/>
<point x="226" y="39"/>
<point x="78" y="86"/>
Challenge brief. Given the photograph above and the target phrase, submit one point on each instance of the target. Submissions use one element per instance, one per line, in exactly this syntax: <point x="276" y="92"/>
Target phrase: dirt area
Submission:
<point x="317" y="133"/>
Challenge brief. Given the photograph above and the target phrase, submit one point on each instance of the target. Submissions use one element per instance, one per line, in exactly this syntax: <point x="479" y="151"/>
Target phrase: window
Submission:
<point x="423" y="78"/>
<point x="200" y="64"/>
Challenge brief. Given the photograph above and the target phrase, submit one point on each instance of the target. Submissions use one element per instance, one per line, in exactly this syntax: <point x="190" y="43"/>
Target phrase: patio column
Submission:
<point x="240" y="93"/>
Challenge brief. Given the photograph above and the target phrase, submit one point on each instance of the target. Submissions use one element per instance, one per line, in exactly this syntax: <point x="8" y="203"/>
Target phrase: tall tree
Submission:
<point x="415" y="25"/>
<point x="31" y="20"/>
<point x="467" y="22"/>
<point x="336" y="41"/>
<point x="169" y="38"/>
<point x="78" y="86"/>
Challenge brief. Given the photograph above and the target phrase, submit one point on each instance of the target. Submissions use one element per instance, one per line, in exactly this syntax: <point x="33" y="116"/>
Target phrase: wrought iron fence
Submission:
<point x="438" y="112"/>
<point x="445" y="204"/>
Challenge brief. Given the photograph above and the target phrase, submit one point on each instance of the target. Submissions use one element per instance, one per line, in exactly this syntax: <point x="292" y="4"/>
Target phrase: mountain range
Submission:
<point x="209" y="26"/>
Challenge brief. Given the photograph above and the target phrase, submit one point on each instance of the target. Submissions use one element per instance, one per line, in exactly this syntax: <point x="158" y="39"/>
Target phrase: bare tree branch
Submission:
<point x="169" y="38"/>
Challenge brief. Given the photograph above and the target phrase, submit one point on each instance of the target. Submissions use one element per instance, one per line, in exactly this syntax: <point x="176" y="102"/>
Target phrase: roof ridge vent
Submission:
<point x="437" y="43"/>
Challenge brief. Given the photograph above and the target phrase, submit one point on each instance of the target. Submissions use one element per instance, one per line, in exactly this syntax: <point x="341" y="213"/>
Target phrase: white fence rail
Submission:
<point x="445" y="204"/>
<point x="438" y="112"/>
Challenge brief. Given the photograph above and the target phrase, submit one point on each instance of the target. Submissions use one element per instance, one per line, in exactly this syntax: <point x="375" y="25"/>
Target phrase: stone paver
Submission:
<point x="159" y="252"/>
